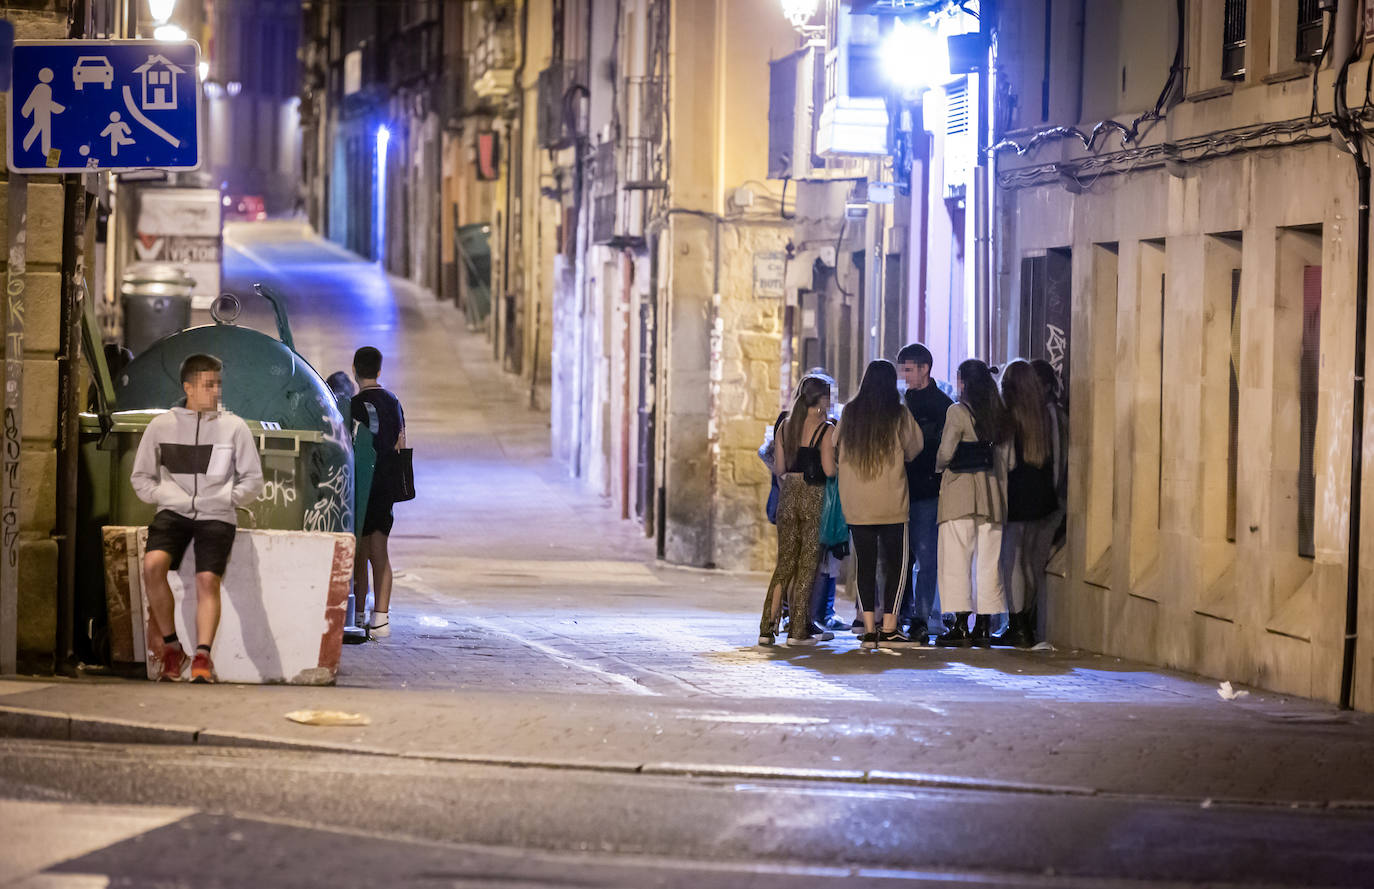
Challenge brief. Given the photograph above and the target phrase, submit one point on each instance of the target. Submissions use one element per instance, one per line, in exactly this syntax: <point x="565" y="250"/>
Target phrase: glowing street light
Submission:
<point x="799" y="12"/>
<point x="169" y="33"/>
<point x="161" y="10"/>
<point x="914" y="57"/>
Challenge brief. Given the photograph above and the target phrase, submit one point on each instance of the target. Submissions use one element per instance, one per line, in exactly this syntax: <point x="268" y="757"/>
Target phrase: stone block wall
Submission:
<point x="1158" y="565"/>
<point x="38" y="565"/>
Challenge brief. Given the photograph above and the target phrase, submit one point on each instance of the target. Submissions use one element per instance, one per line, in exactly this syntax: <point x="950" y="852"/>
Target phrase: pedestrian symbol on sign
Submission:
<point x="41" y="107"/>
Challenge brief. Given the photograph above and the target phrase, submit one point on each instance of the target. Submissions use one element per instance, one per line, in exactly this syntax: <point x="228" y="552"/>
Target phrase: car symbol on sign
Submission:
<point x="92" y="69"/>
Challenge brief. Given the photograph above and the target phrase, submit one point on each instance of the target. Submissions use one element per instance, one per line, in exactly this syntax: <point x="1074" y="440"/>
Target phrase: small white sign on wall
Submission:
<point x="769" y="272"/>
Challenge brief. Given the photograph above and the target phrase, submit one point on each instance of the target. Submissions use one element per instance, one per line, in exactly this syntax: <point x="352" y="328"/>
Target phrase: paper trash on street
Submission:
<point x="327" y="717"/>
<point x="1227" y="693"/>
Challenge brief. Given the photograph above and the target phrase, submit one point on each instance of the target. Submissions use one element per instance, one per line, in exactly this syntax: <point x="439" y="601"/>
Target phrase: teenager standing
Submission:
<point x="380" y="411"/>
<point x="928" y="406"/>
<point x="877" y="437"/>
<point x="803" y="458"/>
<point x="973" y="505"/>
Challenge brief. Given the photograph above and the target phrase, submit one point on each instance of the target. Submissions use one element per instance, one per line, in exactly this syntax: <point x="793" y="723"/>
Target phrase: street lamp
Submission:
<point x="168" y="33"/>
<point x="914" y="57"/>
<point x="799" y="12"/>
<point x="161" y="10"/>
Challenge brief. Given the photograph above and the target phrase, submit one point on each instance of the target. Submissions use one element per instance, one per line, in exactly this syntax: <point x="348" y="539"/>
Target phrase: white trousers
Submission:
<point x="971" y="549"/>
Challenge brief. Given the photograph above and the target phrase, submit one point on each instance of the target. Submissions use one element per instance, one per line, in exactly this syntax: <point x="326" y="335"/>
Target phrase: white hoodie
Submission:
<point x="198" y="465"/>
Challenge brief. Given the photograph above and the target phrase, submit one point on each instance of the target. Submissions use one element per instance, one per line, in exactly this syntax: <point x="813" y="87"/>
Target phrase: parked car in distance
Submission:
<point x="92" y="69"/>
<point x="244" y="208"/>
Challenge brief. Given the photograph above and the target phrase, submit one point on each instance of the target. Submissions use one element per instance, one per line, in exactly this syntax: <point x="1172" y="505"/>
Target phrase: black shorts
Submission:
<point x="378" y="517"/>
<point x="171" y="533"/>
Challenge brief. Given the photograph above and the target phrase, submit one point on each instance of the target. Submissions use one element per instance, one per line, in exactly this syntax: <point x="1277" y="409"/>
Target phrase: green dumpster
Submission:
<point x="474" y="247"/>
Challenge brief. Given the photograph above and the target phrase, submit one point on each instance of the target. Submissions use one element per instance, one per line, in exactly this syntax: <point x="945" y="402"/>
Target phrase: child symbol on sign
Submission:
<point x="117" y="132"/>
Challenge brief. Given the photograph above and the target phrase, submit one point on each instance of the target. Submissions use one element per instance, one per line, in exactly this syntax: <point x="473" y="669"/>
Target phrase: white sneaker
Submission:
<point x="805" y="640"/>
<point x="379" y="630"/>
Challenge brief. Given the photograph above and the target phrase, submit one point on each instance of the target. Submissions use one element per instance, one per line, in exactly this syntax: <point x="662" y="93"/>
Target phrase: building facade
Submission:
<point x="1192" y="271"/>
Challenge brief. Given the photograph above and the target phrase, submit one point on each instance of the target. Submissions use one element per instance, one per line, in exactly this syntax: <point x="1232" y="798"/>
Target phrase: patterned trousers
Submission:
<point x="799" y="555"/>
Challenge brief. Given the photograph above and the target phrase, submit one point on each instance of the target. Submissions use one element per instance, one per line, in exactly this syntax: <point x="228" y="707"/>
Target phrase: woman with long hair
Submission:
<point x="973" y="505"/>
<point x="1031" y="498"/>
<point x="803" y="458"/>
<point x="877" y="438"/>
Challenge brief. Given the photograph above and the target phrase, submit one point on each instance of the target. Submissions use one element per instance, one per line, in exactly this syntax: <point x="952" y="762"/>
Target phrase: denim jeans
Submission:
<point x="924" y="602"/>
<point x="823" y="597"/>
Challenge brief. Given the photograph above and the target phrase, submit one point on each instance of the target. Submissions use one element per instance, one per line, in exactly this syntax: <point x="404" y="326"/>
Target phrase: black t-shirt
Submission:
<point x="380" y="411"/>
<point x="928" y="407"/>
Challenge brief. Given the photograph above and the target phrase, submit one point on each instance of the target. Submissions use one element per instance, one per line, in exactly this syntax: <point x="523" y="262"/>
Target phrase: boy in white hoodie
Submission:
<point x="197" y="464"/>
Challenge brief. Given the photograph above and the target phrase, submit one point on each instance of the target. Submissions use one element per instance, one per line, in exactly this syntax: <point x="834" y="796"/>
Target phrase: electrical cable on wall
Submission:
<point x="1129" y="134"/>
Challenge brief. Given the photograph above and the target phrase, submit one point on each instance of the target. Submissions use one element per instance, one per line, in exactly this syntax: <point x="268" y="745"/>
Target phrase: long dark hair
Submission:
<point x="811" y="391"/>
<point x="868" y="431"/>
<point x="1024" y="397"/>
<point x="981" y="398"/>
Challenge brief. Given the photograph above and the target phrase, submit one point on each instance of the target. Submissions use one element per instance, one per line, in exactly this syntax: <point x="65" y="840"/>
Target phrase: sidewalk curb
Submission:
<point x="46" y="725"/>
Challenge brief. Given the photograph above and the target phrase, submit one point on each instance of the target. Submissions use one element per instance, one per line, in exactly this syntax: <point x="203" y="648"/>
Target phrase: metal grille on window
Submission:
<point x="1233" y="41"/>
<point x="1309" y="47"/>
<point x="1307" y="408"/>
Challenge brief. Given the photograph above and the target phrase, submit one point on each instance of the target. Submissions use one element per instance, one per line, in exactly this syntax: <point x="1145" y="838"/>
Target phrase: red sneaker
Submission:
<point x="173" y="663"/>
<point x="202" y="668"/>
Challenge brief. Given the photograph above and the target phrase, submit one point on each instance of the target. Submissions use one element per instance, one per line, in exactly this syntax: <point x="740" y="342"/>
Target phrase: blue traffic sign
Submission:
<point x="80" y="106"/>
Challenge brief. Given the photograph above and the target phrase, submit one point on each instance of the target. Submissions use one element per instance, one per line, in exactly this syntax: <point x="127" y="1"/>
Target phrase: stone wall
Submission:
<point x="39" y="421"/>
<point x="1157" y="567"/>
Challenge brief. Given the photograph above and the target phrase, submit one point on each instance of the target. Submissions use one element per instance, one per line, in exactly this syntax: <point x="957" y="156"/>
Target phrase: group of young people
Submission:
<point x="199" y="464"/>
<point x="970" y="489"/>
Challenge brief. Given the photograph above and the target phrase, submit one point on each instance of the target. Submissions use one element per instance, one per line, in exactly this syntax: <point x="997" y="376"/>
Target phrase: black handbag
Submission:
<point x="403" y="479"/>
<point x="971" y="456"/>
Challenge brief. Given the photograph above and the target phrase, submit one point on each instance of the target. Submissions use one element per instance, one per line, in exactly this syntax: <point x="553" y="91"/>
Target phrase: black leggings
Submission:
<point x="885" y="544"/>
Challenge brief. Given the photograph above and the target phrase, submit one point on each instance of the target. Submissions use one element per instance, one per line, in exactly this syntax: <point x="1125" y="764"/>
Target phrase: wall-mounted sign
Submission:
<point x="488" y="156"/>
<point x="353" y="72"/>
<point x="770" y="270"/>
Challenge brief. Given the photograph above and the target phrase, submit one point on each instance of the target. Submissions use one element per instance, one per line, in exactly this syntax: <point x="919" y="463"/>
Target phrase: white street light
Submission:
<point x="799" y="12"/>
<point x="914" y="57"/>
<point x="168" y="33"/>
<point x="161" y="10"/>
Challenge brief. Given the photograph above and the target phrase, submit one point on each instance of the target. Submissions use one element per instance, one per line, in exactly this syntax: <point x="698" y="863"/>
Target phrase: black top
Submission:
<point x="1030" y="490"/>
<point x="380" y="411"/>
<point x="928" y="407"/>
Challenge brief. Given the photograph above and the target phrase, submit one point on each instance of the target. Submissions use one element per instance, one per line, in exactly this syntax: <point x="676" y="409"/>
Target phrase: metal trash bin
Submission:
<point x="474" y="248"/>
<point x="157" y="302"/>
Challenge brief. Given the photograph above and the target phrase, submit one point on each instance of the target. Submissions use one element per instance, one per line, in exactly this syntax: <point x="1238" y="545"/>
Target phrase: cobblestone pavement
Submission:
<point x="530" y="621"/>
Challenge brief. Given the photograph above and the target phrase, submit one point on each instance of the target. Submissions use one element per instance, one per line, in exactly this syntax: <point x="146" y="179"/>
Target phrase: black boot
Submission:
<point x="982" y="631"/>
<point x="956" y="636"/>
<point x="1021" y="634"/>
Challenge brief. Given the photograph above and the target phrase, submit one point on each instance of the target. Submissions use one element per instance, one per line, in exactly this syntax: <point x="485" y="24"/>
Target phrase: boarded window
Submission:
<point x="1047" y="311"/>
<point x="1308" y="368"/>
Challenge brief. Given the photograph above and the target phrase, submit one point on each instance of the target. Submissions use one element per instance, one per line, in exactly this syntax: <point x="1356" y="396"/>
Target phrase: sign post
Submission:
<point x="86" y="106"/>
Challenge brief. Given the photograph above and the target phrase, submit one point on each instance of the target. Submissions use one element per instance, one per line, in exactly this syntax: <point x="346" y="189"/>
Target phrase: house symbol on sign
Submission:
<point x="159" y="83"/>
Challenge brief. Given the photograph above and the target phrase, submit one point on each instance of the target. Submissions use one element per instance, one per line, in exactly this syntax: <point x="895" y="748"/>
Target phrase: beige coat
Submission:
<point x="881" y="500"/>
<point x="964" y="494"/>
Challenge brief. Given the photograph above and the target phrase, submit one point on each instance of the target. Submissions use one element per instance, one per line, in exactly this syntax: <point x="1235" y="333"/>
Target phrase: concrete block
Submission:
<point x="43" y="313"/>
<point x="760" y="347"/>
<point x="37" y="596"/>
<point x="45" y="224"/>
<point x="282" y="605"/>
<point x="38" y="490"/>
<point x="40" y="400"/>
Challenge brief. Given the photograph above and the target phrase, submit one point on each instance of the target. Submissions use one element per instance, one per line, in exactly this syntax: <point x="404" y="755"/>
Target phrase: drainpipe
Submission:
<point x="1344" y="48"/>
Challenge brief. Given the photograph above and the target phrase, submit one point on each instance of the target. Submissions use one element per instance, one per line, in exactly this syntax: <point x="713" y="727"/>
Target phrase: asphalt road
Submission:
<point x="257" y="818"/>
<point x="531" y="623"/>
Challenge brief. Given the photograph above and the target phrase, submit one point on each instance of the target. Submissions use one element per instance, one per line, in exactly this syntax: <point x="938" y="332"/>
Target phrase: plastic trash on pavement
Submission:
<point x="328" y="717"/>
